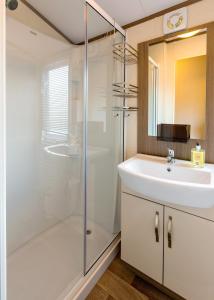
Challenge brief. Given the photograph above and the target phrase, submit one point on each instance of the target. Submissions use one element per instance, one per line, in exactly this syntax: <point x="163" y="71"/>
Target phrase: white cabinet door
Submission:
<point x="189" y="263"/>
<point x="142" y="235"/>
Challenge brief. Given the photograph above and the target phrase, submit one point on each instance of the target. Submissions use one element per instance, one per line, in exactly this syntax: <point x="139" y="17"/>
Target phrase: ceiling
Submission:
<point x="67" y="15"/>
<point x="127" y="11"/>
<point x="24" y="43"/>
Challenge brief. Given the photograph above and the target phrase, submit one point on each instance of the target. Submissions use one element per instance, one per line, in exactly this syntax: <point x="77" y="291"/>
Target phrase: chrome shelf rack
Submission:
<point x="125" y="53"/>
<point x="125" y="108"/>
<point x="125" y="90"/>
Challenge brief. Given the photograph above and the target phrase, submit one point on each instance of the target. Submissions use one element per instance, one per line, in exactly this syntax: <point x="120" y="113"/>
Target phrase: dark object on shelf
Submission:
<point x="173" y="132"/>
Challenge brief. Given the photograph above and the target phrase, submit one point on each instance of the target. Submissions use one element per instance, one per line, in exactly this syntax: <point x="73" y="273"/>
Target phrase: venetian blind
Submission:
<point x="55" y="103"/>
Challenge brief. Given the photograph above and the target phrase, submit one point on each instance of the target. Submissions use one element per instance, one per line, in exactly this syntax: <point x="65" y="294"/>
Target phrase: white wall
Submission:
<point x="23" y="92"/>
<point x="42" y="189"/>
<point x="198" y="13"/>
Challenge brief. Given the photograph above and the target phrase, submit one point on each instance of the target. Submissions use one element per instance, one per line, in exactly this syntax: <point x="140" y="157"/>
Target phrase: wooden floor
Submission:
<point x="120" y="282"/>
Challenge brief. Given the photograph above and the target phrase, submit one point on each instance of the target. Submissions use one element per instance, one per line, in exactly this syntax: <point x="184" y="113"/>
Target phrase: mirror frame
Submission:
<point x="149" y="144"/>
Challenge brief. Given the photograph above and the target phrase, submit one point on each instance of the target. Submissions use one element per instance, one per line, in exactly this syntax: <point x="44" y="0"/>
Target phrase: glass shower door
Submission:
<point x="104" y="137"/>
<point x="44" y="156"/>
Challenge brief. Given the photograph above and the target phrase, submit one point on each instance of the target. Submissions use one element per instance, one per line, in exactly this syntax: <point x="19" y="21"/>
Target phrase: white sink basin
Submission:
<point x="184" y="185"/>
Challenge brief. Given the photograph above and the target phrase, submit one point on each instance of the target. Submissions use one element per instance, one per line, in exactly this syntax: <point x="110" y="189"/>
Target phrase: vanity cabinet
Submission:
<point x="142" y="235"/>
<point x="182" y="259"/>
<point x="189" y="263"/>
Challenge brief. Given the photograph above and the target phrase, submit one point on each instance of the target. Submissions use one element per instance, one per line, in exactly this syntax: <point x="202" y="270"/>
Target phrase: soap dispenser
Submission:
<point x="198" y="156"/>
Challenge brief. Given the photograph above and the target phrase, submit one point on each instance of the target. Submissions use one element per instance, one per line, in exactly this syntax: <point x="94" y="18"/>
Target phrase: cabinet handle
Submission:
<point x="170" y="232"/>
<point x="157" y="226"/>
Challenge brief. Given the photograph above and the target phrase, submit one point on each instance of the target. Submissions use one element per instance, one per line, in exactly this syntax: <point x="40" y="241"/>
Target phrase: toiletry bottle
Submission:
<point x="198" y="156"/>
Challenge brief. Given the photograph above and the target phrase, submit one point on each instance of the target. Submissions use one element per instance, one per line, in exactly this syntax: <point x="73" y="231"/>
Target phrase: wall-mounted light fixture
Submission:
<point x="12" y="4"/>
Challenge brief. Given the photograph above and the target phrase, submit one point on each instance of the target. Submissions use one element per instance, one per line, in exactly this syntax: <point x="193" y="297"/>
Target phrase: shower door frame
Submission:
<point x="2" y="155"/>
<point x="117" y="27"/>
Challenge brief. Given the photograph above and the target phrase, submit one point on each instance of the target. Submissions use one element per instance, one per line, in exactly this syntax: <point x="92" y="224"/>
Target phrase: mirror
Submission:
<point x="177" y="83"/>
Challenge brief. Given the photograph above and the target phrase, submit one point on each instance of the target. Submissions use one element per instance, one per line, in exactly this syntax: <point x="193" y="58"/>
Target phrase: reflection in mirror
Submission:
<point x="177" y="83"/>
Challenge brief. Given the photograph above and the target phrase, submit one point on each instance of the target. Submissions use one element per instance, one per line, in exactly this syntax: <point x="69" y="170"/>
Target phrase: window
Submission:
<point x="56" y="104"/>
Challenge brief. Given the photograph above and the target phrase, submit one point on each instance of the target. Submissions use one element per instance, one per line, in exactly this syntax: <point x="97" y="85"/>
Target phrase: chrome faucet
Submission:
<point x="171" y="156"/>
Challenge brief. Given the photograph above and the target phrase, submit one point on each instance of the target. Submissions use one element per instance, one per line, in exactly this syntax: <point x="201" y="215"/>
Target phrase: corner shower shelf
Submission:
<point x="125" y="53"/>
<point x="130" y="108"/>
<point x="125" y="108"/>
<point x="125" y="90"/>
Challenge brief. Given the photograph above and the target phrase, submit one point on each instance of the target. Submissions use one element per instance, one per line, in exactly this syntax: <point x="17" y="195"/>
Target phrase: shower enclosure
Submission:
<point x="64" y="140"/>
